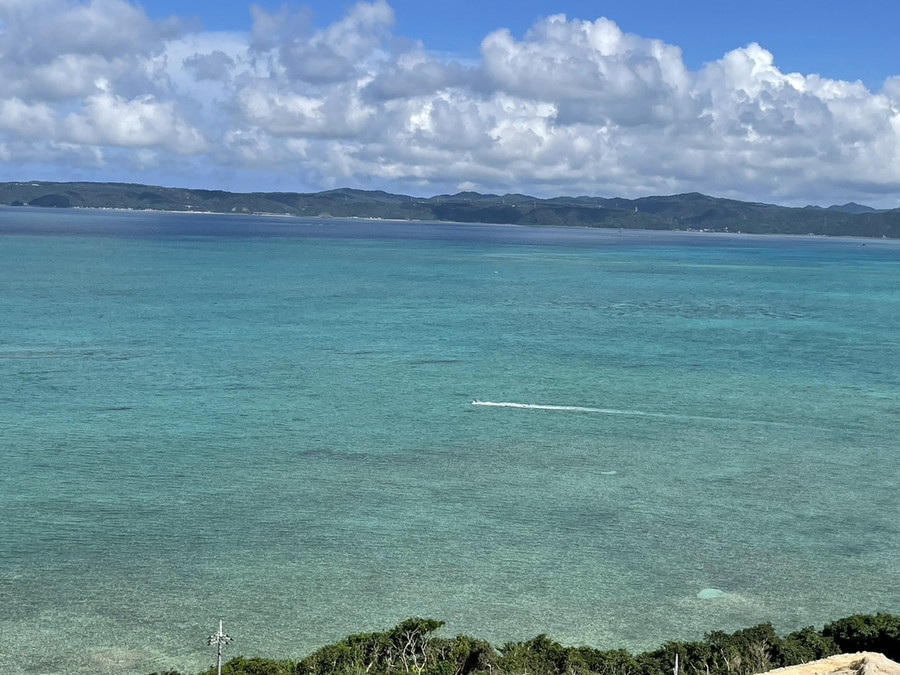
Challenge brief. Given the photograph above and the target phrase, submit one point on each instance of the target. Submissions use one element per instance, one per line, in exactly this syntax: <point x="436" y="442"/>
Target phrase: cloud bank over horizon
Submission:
<point x="96" y="90"/>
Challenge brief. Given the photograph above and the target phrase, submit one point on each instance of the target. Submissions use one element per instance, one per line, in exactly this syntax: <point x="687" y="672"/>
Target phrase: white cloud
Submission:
<point x="54" y="50"/>
<point x="26" y="120"/>
<point x="38" y="31"/>
<point x="414" y="73"/>
<point x="216" y="65"/>
<point x="108" y="119"/>
<point x="334" y="54"/>
<point x="337" y="113"/>
<point x="574" y="107"/>
<point x="592" y="70"/>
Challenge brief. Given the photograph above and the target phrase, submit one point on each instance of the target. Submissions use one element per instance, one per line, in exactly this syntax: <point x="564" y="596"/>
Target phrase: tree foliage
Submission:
<point x="867" y="633"/>
<point x="412" y="648"/>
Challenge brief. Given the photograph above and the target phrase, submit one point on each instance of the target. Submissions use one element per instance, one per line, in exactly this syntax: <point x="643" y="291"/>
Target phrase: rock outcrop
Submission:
<point x="861" y="663"/>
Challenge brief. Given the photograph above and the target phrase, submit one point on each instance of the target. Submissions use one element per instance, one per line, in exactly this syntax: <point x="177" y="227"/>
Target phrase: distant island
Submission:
<point x="691" y="211"/>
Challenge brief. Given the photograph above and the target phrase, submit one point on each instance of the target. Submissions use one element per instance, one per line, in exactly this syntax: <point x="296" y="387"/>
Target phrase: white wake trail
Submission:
<point x="632" y="413"/>
<point x="575" y="408"/>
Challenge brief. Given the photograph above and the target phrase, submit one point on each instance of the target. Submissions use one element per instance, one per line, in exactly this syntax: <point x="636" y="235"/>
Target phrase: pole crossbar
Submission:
<point x="220" y="639"/>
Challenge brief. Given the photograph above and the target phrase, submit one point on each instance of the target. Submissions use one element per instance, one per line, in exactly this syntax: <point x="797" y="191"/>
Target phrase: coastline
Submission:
<point x="690" y="212"/>
<point x="525" y="226"/>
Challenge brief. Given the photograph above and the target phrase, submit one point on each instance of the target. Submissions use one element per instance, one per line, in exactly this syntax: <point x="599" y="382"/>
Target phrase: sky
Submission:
<point x="793" y="102"/>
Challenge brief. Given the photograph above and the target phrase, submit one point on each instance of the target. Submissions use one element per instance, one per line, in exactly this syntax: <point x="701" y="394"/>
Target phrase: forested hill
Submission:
<point x="692" y="211"/>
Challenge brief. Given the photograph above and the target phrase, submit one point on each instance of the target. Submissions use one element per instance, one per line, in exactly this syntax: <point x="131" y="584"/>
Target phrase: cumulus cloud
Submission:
<point x="26" y="120"/>
<point x="334" y="54"/>
<point x="216" y="65"/>
<point x="414" y="72"/>
<point x="592" y="70"/>
<point x="56" y="49"/>
<point x="574" y="106"/>
<point x="110" y="120"/>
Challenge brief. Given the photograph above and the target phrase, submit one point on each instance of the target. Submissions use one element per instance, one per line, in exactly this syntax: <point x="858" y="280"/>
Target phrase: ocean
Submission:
<point x="270" y="421"/>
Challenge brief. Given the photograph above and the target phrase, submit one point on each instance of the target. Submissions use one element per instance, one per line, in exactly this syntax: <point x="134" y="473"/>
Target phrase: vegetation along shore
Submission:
<point x="413" y="647"/>
<point x="692" y="211"/>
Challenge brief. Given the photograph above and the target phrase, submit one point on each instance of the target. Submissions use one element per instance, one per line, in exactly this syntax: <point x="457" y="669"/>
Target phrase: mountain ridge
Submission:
<point x="687" y="211"/>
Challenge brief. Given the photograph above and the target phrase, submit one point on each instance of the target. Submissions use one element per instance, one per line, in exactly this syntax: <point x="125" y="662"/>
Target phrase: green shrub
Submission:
<point x="867" y="633"/>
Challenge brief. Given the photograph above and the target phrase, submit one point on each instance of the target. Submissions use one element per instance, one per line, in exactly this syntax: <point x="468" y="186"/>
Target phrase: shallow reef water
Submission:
<point x="271" y="421"/>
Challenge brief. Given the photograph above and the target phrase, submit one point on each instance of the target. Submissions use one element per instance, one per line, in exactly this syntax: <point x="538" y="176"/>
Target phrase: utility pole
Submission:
<point x="219" y="640"/>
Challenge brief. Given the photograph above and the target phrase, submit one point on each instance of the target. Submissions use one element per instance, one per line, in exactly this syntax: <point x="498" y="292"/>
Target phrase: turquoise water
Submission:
<point x="270" y="421"/>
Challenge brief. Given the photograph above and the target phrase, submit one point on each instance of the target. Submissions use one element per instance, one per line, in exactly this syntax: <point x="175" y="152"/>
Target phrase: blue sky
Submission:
<point x="786" y="102"/>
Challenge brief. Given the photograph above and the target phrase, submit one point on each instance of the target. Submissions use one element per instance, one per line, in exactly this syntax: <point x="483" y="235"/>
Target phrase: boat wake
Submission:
<point x="628" y="413"/>
<point x="575" y="408"/>
<point x="579" y="408"/>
